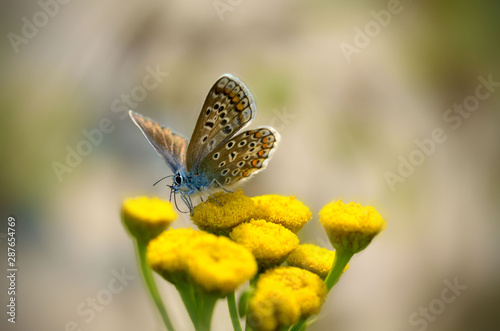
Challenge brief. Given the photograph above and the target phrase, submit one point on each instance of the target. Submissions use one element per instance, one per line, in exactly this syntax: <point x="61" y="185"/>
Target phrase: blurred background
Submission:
<point x="349" y="106"/>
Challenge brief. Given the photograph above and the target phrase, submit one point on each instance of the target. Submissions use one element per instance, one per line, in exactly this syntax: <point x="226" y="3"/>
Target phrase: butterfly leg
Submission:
<point x="220" y="185"/>
<point x="187" y="201"/>
<point x="172" y="192"/>
<point x="190" y="201"/>
<point x="177" y="206"/>
<point x="206" y="189"/>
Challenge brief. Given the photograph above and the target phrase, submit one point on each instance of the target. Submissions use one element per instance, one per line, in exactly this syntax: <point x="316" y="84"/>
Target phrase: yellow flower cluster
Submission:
<point x="350" y="227"/>
<point x="283" y="296"/>
<point x="270" y="243"/>
<point x="287" y="211"/>
<point x="313" y="258"/>
<point x="257" y="235"/>
<point x="145" y="218"/>
<point x="216" y="264"/>
<point x="220" y="216"/>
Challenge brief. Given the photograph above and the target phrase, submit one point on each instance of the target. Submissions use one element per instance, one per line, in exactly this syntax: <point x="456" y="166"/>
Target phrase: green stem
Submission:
<point x="233" y="312"/>
<point x="199" y="304"/>
<point x="205" y="309"/>
<point x="252" y="285"/>
<point x="187" y="295"/>
<point x="341" y="259"/>
<point x="150" y="283"/>
<point x="301" y="326"/>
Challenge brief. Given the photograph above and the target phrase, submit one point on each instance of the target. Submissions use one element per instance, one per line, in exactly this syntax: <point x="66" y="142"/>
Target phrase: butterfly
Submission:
<point x="219" y="153"/>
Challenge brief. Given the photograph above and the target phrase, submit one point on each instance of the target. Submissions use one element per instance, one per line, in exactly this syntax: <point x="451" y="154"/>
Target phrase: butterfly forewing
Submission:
<point x="169" y="145"/>
<point x="227" y="109"/>
<point x="241" y="156"/>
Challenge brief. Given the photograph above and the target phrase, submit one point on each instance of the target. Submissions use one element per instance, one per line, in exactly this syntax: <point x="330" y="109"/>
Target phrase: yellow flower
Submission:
<point x="167" y="253"/>
<point x="145" y="218"/>
<point x="287" y="211"/>
<point x="313" y="258"/>
<point x="234" y="208"/>
<point x="216" y="264"/>
<point x="270" y="243"/>
<point x="219" y="265"/>
<point x="284" y="295"/>
<point x="350" y="227"/>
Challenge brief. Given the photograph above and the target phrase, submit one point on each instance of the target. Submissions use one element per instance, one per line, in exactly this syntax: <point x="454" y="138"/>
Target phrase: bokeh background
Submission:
<point x="348" y="123"/>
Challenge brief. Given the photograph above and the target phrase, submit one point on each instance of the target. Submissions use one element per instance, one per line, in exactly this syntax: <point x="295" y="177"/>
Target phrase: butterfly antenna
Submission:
<point x="162" y="179"/>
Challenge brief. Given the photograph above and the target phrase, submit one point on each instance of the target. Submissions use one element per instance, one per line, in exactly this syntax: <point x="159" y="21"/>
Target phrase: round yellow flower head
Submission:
<point x="219" y="265"/>
<point x="270" y="243"/>
<point x="313" y="258"/>
<point x="216" y="264"/>
<point x="234" y="208"/>
<point x="167" y="253"/>
<point x="287" y="211"/>
<point x="145" y="218"/>
<point x="283" y="295"/>
<point x="350" y="227"/>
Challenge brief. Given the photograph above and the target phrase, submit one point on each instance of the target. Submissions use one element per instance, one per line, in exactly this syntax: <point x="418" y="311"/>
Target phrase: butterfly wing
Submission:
<point x="227" y="109"/>
<point x="169" y="145"/>
<point x="240" y="156"/>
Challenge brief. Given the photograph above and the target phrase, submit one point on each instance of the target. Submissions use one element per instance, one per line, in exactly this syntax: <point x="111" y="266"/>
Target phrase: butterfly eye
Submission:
<point x="178" y="179"/>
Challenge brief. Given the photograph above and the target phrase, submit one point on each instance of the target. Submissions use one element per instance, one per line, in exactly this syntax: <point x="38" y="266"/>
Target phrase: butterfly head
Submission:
<point x="177" y="183"/>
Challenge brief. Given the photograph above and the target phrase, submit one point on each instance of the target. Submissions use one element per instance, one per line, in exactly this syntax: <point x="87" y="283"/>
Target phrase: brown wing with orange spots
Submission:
<point x="241" y="156"/>
<point x="227" y="109"/>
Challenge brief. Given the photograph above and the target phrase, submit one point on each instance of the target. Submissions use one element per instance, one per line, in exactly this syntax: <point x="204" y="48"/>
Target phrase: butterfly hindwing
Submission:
<point x="240" y="156"/>
<point x="169" y="145"/>
<point x="227" y="109"/>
